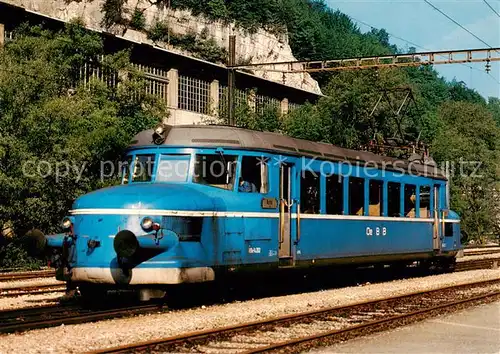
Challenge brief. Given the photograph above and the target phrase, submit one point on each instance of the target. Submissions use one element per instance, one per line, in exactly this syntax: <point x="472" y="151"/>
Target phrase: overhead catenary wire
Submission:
<point x="457" y="23"/>
<point x="492" y="8"/>
<point x="390" y="34"/>
<point x="417" y="45"/>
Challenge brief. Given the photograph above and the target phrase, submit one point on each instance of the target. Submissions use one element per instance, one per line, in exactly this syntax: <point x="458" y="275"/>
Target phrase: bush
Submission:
<point x="47" y="114"/>
<point x="112" y="12"/>
<point x="138" y="21"/>
<point x="159" y="32"/>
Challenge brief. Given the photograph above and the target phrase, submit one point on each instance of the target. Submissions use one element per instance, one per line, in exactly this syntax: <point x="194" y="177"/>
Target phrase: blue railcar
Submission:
<point x="199" y="201"/>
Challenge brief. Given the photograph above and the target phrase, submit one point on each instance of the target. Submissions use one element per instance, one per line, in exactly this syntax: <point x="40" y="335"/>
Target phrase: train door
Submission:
<point x="286" y="203"/>
<point x="436" y="233"/>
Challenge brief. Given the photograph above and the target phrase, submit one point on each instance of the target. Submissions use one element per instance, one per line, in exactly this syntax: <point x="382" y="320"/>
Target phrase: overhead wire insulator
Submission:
<point x="487" y="67"/>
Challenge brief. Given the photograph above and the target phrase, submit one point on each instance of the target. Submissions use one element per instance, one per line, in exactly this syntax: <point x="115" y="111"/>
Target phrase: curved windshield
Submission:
<point x="173" y="168"/>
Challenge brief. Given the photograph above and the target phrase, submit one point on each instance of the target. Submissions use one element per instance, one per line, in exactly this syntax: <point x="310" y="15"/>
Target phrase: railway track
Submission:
<point x="488" y="263"/>
<point x="10" y="276"/>
<point x="491" y="263"/>
<point x="55" y="315"/>
<point x="32" y="290"/>
<point x="481" y="252"/>
<point x="299" y="332"/>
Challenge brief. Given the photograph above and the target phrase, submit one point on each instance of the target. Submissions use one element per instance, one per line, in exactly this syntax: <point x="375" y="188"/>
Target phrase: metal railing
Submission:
<point x="93" y="70"/>
<point x="8" y="35"/>
<point x="241" y="98"/>
<point x="156" y="80"/>
<point x="293" y="106"/>
<point x="265" y="104"/>
<point x="194" y="94"/>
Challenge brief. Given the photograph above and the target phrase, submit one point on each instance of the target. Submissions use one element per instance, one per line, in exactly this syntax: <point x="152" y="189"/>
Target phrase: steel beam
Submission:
<point x="485" y="55"/>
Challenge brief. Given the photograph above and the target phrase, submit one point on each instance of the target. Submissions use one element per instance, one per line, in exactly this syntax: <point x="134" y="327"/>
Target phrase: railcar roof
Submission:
<point x="239" y="138"/>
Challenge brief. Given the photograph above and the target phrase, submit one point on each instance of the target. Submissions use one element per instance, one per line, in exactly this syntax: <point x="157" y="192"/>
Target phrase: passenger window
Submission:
<point x="309" y="193"/>
<point x="356" y="196"/>
<point x="335" y="195"/>
<point x="410" y="198"/>
<point x="393" y="199"/>
<point x="143" y="168"/>
<point x="376" y="198"/>
<point x="215" y="170"/>
<point x="425" y="201"/>
<point x="173" y="168"/>
<point x="254" y="175"/>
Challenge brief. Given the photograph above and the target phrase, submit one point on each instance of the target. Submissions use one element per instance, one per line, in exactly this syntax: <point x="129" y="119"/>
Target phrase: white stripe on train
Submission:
<point x="244" y="214"/>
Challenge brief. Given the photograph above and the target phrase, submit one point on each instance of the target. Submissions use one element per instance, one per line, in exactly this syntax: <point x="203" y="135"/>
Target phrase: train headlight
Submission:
<point x="147" y="224"/>
<point x="66" y="224"/>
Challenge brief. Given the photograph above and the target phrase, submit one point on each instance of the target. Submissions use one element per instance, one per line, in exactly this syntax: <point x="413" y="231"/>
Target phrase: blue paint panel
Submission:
<point x="343" y="238"/>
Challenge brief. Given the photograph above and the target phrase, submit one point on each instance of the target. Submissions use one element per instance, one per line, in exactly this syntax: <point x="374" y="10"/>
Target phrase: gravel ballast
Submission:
<point x="24" y="301"/>
<point x="89" y="336"/>
<point x="479" y="257"/>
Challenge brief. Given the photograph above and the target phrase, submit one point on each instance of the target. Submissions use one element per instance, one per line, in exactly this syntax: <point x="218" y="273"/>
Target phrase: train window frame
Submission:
<point x="380" y="203"/>
<point x="150" y="170"/>
<point x="126" y="170"/>
<point x="176" y="157"/>
<point x="230" y="163"/>
<point x="422" y="194"/>
<point x="338" y="205"/>
<point x="261" y="186"/>
<point x="313" y="203"/>
<point x="408" y="187"/>
<point x="359" y="183"/>
<point x="391" y="198"/>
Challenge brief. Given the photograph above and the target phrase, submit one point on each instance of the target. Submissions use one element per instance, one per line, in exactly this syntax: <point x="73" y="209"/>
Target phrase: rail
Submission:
<point x="257" y="337"/>
<point x="26" y="275"/>
<point x="56" y="315"/>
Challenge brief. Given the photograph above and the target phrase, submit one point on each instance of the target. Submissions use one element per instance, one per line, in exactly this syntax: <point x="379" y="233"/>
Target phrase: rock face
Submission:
<point x="256" y="47"/>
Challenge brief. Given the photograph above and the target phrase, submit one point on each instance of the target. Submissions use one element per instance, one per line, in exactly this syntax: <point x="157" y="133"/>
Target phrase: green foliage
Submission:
<point x="112" y="12"/>
<point x="14" y="256"/>
<point x="159" y="32"/>
<point x="50" y="121"/>
<point x="469" y="139"/>
<point x="494" y="108"/>
<point x="138" y="21"/>
<point x="268" y="120"/>
<point x="199" y="45"/>
<point x="217" y="9"/>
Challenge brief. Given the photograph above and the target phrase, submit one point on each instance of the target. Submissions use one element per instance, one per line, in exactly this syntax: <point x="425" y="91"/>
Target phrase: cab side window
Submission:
<point x="254" y="175"/>
<point x="216" y="170"/>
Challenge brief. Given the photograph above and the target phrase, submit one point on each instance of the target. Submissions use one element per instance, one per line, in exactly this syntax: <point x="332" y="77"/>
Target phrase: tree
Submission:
<point x="469" y="139"/>
<point x="494" y="108"/>
<point x="54" y="129"/>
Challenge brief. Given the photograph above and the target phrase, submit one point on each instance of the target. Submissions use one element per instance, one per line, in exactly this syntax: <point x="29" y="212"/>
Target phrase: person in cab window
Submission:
<point x="246" y="186"/>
